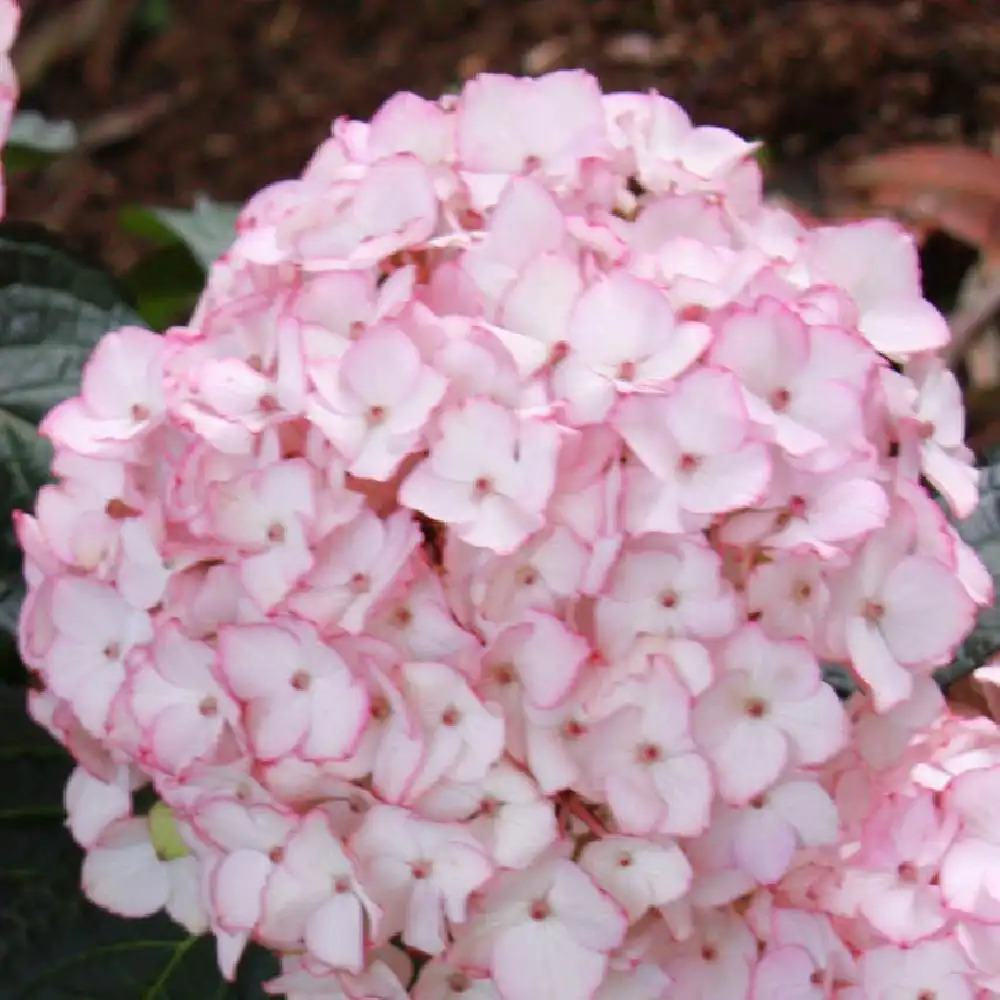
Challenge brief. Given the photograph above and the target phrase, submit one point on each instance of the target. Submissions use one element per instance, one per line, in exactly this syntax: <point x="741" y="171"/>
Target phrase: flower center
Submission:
<point x="780" y="399"/>
<point x="755" y="708"/>
<point x="688" y="463"/>
<point x="873" y="611"/>
<point x="626" y="371"/>
<point x="401" y="616"/>
<point x="208" y="707"/>
<point x="540" y="909"/>
<point x="482" y="487"/>
<point x="648" y="753"/>
<point x="139" y="413"/>
<point x="558" y="352"/>
<point x="420" y="869"/>
<point x="300" y="680"/>
<point x="504" y="675"/>
<point x="459" y="981"/>
<point x="276" y="533"/>
<point x="118" y="510"/>
<point x="451" y="716"/>
<point x="693" y="312"/>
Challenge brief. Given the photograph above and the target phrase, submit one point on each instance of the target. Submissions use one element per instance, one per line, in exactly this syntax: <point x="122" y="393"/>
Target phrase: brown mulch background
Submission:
<point x="236" y="93"/>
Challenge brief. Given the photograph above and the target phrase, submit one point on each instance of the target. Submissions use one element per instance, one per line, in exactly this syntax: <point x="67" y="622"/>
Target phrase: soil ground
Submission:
<point x="232" y="94"/>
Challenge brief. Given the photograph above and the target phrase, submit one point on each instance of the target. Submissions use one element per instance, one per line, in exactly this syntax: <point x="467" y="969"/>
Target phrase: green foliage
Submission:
<point x="153" y="17"/>
<point x="165" y="285"/>
<point x="54" y="944"/>
<point x="34" y="140"/>
<point x="207" y="229"/>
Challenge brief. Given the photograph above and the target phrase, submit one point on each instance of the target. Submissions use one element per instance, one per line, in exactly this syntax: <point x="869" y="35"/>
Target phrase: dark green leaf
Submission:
<point x="153" y="16"/>
<point x="53" y="310"/>
<point x="840" y="679"/>
<point x="207" y="229"/>
<point x="54" y="944"/>
<point x="165" y="286"/>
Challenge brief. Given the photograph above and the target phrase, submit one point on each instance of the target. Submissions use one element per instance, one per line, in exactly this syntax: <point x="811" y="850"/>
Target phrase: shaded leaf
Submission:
<point x="31" y="130"/>
<point x="53" y="310"/>
<point x="153" y="16"/>
<point x="207" y="230"/>
<point x="165" y="286"/>
<point x="54" y="944"/>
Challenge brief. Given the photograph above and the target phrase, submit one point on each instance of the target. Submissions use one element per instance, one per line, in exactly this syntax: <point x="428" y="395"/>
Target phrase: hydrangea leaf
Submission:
<point x="54" y="944"/>
<point x="54" y="308"/>
<point x="35" y="140"/>
<point x="207" y="229"/>
<point x="165" y="285"/>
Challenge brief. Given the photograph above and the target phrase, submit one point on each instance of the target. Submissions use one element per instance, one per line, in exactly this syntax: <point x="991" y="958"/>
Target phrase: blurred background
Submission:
<point x="886" y="106"/>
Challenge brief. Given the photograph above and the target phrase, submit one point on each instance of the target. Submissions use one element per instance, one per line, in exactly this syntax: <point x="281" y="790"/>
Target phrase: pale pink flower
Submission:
<point x="313" y="895"/>
<point x="769" y="710"/>
<point x="504" y="810"/>
<point x="506" y="125"/>
<point x="95" y="631"/>
<point x="970" y="870"/>
<point x="464" y="736"/>
<point x="876" y="263"/>
<point x="490" y="475"/>
<point x="937" y="433"/>
<point x="646" y="762"/>
<point x="804" y="960"/>
<point x="775" y="824"/>
<point x="420" y="873"/>
<point x="354" y="568"/>
<point x="545" y="933"/>
<point x="266" y="515"/>
<point x="930" y="969"/>
<point x="374" y="404"/>
<point x="894" y="880"/>
<point x="178" y="702"/>
<point x="123" y="873"/>
<point x="901" y="612"/>
<point x="790" y="386"/>
<point x="698" y="457"/>
<point x="121" y="398"/>
<point x="665" y="587"/>
<point x="647" y="351"/>
<point x="637" y="874"/>
<point x="300" y="695"/>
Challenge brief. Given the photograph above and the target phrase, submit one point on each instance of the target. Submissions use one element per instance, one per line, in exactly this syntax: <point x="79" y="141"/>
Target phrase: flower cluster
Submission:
<point x="459" y="580"/>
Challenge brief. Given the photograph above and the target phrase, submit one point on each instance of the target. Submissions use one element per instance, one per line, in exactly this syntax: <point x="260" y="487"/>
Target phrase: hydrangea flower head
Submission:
<point x="459" y="579"/>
